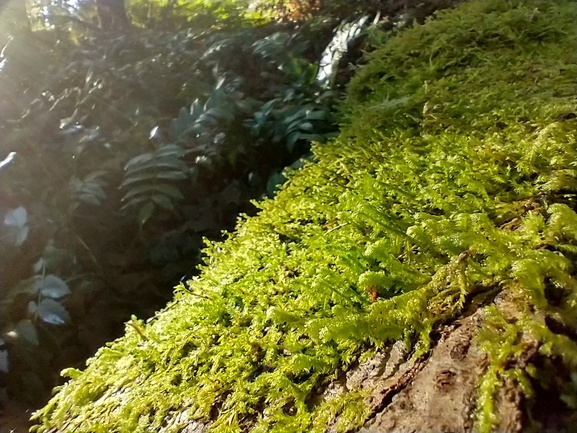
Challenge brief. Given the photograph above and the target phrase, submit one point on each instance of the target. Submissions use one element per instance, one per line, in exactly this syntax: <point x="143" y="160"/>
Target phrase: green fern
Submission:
<point x="149" y="181"/>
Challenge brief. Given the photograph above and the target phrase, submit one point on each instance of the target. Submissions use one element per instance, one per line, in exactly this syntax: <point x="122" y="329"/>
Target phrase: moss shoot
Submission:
<point x="455" y="175"/>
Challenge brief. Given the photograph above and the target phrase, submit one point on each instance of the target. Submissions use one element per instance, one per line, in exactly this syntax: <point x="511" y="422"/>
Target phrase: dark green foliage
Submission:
<point x="128" y="150"/>
<point x="453" y="178"/>
<point x="171" y="14"/>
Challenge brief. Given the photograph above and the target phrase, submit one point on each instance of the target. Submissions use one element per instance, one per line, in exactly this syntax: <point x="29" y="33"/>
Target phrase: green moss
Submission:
<point x="454" y="176"/>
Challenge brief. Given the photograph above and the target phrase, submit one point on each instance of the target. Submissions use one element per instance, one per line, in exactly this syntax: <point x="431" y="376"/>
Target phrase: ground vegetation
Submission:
<point x="129" y="133"/>
<point x="422" y="261"/>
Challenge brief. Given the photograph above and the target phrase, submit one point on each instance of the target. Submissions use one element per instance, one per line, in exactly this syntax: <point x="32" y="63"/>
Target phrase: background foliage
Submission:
<point x="129" y="132"/>
<point x="451" y="188"/>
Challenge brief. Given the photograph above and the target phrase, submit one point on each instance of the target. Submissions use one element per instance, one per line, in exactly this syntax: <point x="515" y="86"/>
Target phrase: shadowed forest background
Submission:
<point x="132" y="130"/>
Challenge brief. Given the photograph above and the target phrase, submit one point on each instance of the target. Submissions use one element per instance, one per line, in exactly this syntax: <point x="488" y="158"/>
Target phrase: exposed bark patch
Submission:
<point x="510" y="403"/>
<point x="436" y="394"/>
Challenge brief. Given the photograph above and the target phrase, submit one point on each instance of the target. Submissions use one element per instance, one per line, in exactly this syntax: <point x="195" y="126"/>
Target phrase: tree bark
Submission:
<point x="13" y="16"/>
<point x="112" y="15"/>
<point x="438" y="391"/>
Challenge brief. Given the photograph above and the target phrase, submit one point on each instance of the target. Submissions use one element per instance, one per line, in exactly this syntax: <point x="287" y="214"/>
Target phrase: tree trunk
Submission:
<point x="112" y="14"/>
<point x="13" y="17"/>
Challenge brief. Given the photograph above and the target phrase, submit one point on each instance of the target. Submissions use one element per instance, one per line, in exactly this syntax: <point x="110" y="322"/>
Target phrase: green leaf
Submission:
<point x="135" y="201"/>
<point x="16" y="217"/>
<point x="163" y="201"/>
<point x="170" y="149"/>
<point x="313" y="137"/>
<point x="168" y="175"/>
<point x="206" y="119"/>
<point x="273" y="183"/>
<point x="295" y="118"/>
<point x="136" y="191"/>
<point x="157" y="163"/>
<point x="54" y="287"/>
<point x="4" y="362"/>
<point x="179" y="125"/>
<point x="52" y="312"/>
<point x="149" y="189"/>
<point x="16" y="220"/>
<point x="94" y="189"/>
<point x="306" y="126"/>
<point x="317" y="114"/>
<point x="20" y="235"/>
<point x="29" y="286"/>
<point x="223" y="113"/>
<point x="292" y="138"/>
<point x="145" y="213"/>
<point x="90" y="199"/>
<point x="138" y="160"/>
<point x="169" y="190"/>
<point x="26" y="329"/>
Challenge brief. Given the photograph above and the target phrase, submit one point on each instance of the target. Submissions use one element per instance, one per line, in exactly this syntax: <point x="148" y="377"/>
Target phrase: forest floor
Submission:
<point x="15" y="418"/>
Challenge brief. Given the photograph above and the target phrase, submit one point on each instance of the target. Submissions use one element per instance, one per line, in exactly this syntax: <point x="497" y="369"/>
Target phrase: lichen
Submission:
<point x="454" y="175"/>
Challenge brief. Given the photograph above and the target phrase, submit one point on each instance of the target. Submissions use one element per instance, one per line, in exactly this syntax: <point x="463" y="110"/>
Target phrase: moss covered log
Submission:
<point x="454" y="180"/>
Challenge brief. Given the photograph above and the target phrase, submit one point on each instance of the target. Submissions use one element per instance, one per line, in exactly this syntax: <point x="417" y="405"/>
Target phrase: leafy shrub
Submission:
<point x="140" y="144"/>
<point x="453" y="177"/>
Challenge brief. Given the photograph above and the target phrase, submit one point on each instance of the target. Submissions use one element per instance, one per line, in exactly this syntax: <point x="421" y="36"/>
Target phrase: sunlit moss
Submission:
<point x="454" y="175"/>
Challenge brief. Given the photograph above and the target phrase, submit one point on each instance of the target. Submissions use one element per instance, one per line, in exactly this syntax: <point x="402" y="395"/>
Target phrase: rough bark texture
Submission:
<point x="437" y="392"/>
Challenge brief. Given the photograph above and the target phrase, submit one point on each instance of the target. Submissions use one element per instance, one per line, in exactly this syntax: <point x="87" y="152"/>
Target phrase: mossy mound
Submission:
<point x="454" y="179"/>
